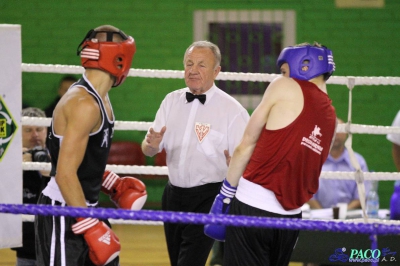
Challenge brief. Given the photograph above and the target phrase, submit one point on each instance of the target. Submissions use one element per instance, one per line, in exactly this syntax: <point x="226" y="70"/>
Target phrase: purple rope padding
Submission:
<point x="197" y="218"/>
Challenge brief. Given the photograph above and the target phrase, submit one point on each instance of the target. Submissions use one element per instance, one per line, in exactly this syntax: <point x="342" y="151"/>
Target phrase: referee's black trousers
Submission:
<point x="187" y="244"/>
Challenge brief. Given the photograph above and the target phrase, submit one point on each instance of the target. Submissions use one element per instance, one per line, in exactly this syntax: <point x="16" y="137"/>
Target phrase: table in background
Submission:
<point x="318" y="246"/>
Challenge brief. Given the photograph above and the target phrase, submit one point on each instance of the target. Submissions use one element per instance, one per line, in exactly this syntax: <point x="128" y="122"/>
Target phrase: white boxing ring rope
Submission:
<point x="260" y="77"/>
<point x="349" y="128"/>
<point x="163" y="170"/>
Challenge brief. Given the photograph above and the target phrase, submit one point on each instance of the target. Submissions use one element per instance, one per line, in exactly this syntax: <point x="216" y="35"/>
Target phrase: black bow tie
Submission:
<point x="190" y="97"/>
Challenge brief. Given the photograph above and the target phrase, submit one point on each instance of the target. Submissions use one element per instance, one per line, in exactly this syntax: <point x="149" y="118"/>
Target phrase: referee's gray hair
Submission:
<point x="33" y="112"/>
<point x="206" y="44"/>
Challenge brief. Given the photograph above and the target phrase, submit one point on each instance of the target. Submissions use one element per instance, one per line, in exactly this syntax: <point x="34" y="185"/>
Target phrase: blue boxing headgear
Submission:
<point x="307" y="62"/>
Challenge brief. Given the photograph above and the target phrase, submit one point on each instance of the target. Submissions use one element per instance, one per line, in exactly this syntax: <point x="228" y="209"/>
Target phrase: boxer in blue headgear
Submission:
<point x="275" y="168"/>
<point x="307" y="61"/>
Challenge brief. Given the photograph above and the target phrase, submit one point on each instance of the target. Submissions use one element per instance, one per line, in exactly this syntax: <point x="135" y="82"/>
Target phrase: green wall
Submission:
<point x="364" y="42"/>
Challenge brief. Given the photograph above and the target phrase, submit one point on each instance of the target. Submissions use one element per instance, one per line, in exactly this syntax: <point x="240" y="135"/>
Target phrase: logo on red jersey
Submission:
<point x="312" y="142"/>
<point x="316" y="132"/>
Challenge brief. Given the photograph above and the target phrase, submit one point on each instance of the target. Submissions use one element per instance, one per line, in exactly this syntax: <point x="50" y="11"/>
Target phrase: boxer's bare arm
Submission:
<point x="75" y="128"/>
<point x="281" y="104"/>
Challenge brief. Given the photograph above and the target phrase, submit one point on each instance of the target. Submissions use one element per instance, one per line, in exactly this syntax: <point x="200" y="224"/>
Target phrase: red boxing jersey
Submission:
<point x="288" y="161"/>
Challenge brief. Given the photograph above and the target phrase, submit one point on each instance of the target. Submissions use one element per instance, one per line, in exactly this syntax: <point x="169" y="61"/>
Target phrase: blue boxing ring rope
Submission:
<point x="197" y="218"/>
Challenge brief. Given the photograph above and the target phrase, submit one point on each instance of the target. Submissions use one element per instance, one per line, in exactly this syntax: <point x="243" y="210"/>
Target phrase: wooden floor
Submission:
<point x="141" y="245"/>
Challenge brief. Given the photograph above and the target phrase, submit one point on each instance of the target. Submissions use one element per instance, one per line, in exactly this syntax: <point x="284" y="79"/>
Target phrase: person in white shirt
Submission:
<point x="333" y="191"/>
<point x="199" y="127"/>
<point x="395" y="139"/>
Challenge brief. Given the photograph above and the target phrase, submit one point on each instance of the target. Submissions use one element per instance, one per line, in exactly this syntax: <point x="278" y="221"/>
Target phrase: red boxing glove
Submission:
<point x="103" y="244"/>
<point x="126" y="192"/>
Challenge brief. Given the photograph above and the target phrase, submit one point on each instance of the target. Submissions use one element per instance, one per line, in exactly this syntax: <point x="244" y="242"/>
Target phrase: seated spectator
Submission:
<point x="333" y="191"/>
<point x="34" y="150"/>
<point x="395" y="139"/>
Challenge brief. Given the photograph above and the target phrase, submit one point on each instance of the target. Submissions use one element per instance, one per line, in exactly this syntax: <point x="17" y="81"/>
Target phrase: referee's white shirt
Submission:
<point x="395" y="138"/>
<point x="192" y="159"/>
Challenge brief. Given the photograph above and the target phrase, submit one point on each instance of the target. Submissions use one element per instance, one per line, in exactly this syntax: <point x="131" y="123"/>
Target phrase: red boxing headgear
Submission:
<point x="112" y="57"/>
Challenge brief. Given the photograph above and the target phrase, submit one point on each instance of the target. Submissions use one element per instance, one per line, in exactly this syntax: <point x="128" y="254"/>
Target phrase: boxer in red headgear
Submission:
<point x="109" y="56"/>
<point x="79" y="143"/>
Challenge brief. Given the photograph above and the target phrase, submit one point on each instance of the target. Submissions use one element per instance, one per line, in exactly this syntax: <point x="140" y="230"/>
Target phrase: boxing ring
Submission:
<point x="366" y="226"/>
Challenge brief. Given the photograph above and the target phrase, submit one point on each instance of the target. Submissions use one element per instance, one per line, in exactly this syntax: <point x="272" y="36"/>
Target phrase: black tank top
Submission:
<point x="90" y="172"/>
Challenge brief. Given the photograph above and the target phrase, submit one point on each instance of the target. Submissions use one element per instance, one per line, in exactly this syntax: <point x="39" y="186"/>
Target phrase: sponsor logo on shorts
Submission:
<point x="313" y="142"/>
